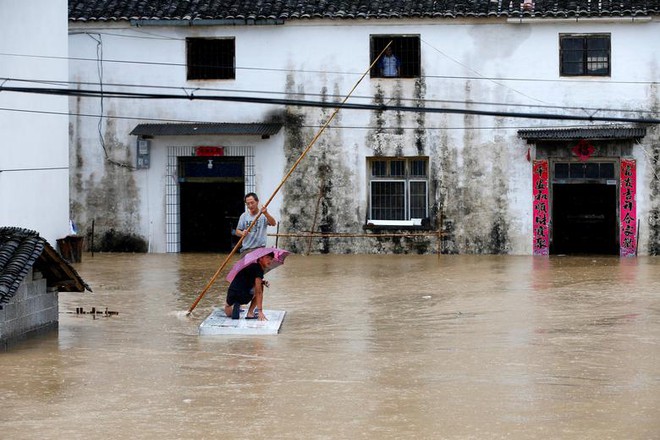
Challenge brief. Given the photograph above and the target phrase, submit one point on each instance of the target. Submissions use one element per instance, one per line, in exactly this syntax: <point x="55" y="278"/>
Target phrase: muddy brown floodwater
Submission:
<point x="372" y="347"/>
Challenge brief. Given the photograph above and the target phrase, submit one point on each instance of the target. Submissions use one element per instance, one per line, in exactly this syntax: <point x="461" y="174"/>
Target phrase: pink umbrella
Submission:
<point x="252" y="257"/>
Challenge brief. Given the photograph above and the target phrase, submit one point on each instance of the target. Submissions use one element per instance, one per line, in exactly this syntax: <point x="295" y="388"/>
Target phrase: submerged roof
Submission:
<point x="264" y="10"/>
<point x="593" y="133"/>
<point x="23" y="249"/>
<point x="219" y="128"/>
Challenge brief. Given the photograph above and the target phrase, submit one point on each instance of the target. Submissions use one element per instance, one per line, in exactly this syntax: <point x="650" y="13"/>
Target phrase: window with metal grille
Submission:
<point x="398" y="188"/>
<point x="584" y="55"/>
<point x="401" y="61"/>
<point x="584" y="170"/>
<point x="210" y="58"/>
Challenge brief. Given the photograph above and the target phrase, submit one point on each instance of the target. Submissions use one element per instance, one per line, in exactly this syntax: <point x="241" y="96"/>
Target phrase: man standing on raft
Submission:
<point x="240" y="290"/>
<point x="256" y="238"/>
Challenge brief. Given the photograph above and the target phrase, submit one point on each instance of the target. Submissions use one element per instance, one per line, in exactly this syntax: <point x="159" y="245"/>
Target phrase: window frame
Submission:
<point x="407" y="47"/>
<point x="405" y="199"/>
<point x="213" y="71"/>
<point x="407" y="179"/>
<point x="415" y="179"/>
<point x="585" y="51"/>
<point x="568" y="177"/>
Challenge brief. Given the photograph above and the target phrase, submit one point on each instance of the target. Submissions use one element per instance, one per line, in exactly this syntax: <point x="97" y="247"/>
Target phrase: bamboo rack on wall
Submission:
<point x="356" y="235"/>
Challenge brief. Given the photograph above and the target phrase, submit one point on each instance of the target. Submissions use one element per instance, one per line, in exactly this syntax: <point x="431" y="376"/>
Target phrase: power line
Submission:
<point x="326" y="96"/>
<point x="34" y="169"/>
<point x="90" y="115"/>
<point x="322" y="104"/>
<point x="330" y="127"/>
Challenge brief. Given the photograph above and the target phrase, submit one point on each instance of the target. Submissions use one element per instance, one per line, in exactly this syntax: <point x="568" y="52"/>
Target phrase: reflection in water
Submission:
<point x="373" y="346"/>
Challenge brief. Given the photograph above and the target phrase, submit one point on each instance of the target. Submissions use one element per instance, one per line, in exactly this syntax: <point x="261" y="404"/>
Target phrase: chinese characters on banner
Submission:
<point x="628" y="211"/>
<point x="541" y="207"/>
<point x="209" y="151"/>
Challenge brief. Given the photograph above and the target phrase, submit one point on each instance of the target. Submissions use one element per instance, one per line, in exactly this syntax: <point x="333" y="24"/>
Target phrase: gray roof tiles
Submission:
<point x="218" y="128"/>
<point x="605" y="132"/>
<point x="23" y="249"/>
<point x="263" y="10"/>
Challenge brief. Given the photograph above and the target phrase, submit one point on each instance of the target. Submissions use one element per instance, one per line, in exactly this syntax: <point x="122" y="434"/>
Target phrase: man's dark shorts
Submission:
<point x="236" y="296"/>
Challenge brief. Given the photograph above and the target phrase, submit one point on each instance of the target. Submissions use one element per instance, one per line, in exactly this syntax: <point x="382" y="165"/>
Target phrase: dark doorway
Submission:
<point x="584" y="219"/>
<point x="211" y="200"/>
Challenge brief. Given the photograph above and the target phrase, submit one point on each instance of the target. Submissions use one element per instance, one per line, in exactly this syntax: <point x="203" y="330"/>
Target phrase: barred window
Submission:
<point x="398" y="188"/>
<point x="583" y="170"/>
<point x="402" y="60"/>
<point x="584" y="55"/>
<point x="210" y="58"/>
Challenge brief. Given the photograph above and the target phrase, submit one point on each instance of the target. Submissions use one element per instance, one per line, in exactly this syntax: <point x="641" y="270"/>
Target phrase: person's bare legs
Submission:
<point x="229" y="311"/>
<point x="257" y="302"/>
<point x="250" y="312"/>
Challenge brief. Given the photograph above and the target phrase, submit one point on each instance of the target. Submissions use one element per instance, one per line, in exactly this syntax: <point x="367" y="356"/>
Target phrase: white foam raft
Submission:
<point x="217" y="323"/>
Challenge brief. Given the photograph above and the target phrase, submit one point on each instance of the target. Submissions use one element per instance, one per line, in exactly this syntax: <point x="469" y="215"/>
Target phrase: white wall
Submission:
<point x="300" y="60"/>
<point x="34" y="160"/>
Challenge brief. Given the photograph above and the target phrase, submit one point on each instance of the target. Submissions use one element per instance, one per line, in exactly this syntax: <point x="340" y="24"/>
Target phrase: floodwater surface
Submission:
<point x="372" y="347"/>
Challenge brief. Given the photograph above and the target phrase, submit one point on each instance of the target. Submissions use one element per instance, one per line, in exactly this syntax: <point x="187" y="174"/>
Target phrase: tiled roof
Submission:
<point x="267" y="10"/>
<point x="558" y="134"/>
<point x="220" y="128"/>
<point x="22" y="249"/>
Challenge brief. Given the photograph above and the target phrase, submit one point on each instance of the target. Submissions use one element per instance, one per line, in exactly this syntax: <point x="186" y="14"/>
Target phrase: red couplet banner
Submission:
<point x="628" y="208"/>
<point x="541" y="207"/>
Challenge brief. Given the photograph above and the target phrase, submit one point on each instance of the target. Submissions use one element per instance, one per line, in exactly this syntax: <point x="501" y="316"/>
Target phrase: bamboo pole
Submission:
<point x="286" y="177"/>
<point x="277" y="237"/>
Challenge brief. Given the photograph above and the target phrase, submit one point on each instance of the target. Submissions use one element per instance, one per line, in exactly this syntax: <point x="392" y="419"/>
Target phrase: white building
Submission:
<point x="34" y="138"/>
<point x="479" y="137"/>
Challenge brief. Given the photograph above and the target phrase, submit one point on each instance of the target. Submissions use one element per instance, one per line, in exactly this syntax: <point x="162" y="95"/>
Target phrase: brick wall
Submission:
<point x="33" y="308"/>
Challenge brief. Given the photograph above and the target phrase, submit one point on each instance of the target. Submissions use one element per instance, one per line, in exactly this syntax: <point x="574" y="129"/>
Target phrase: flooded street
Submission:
<point x="372" y="346"/>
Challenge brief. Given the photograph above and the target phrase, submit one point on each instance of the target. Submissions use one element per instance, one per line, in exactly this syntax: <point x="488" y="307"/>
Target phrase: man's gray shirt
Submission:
<point x="257" y="236"/>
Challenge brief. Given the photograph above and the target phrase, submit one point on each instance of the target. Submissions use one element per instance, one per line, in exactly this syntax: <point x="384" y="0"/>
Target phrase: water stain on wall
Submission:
<point x="473" y="195"/>
<point x="77" y="209"/>
<point x="320" y="194"/>
<point x="388" y="137"/>
<point x="653" y="140"/>
<point x="499" y="236"/>
<point x="420" y="118"/>
<point x="110" y="200"/>
<point x="654" y="198"/>
<point x="445" y="166"/>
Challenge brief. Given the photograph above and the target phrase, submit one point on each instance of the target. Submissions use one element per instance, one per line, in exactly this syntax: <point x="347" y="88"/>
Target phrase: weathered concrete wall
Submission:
<point x="480" y="176"/>
<point x="109" y="195"/>
<point x="470" y="198"/>
<point x="34" y="157"/>
<point x="648" y="194"/>
<point x="321" y="192"/>
<point x="33" y="308"/>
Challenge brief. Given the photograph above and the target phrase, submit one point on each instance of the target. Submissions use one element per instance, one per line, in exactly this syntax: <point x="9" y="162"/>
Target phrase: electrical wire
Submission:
<point x="323" y="104"/>
<point x="479" y="74"/>
<point x="35" y="169"/>
<point x="99" y="69"/>
<point x="325" y="96"/>
<point x="330" y="127"/>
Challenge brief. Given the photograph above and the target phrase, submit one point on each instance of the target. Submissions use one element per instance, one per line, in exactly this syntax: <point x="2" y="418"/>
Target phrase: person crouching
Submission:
<point x="248" y="287"/>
